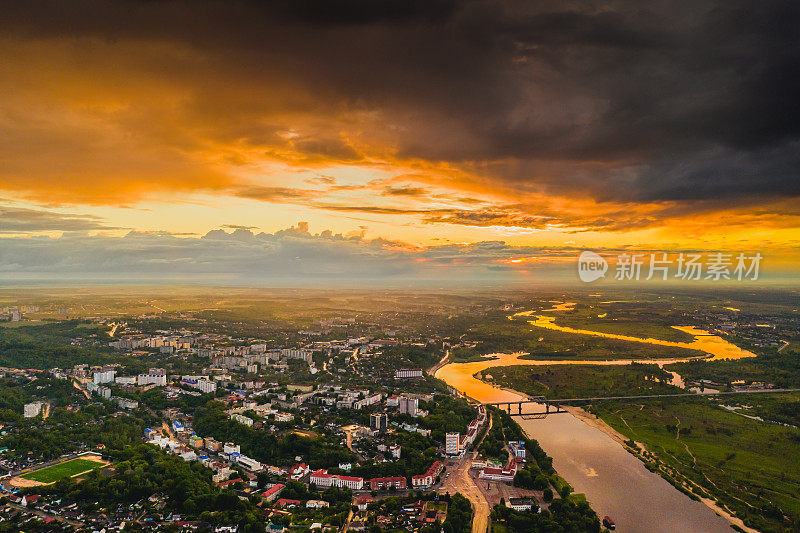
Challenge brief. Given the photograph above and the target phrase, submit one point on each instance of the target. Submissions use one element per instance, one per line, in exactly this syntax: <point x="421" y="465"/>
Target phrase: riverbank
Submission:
<point x="593" y="458"/>
<point x="435" y="368"/>
<point x="598" y="423"/>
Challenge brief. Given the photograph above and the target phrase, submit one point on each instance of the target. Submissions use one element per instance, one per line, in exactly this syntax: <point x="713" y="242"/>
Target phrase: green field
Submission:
<point x="748" y="465"/>
<point x="573" y="381"/>
<point x="58" y="471"/>
<point x="496" y="333"/>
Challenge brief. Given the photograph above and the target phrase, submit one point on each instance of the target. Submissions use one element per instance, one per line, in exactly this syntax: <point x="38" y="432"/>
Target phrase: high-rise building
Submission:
<point x="408" y="405"/>
<point x="451" y="443"/>
<point x="379" y="422"/>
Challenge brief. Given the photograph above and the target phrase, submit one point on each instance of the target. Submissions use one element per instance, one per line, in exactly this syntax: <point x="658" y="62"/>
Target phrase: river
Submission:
<point x="615" y="482"/>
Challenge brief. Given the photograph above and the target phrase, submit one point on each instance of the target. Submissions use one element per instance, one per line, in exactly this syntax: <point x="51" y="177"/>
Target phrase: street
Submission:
<point x="460" y="481"/>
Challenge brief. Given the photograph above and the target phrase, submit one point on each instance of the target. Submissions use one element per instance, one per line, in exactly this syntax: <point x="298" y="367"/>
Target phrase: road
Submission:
<point x="460" y="481"/>
<point x="444" y="360"/>
<point x="348" y="431"/>
<point x="80" y="388"/>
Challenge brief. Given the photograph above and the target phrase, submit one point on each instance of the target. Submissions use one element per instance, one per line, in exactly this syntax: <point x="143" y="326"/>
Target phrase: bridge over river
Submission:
<point x="553" y="406"/>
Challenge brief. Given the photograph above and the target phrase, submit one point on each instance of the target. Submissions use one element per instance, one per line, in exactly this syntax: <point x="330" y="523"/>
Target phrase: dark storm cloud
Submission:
<point x="618" y="100"/>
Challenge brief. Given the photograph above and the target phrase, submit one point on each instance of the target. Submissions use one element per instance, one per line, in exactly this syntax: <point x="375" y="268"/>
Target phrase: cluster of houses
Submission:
<point x="221" y="457"/>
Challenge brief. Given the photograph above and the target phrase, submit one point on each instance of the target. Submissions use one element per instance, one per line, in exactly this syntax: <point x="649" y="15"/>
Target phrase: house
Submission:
<point x="430" y="512"/>
<point x="29" y="499"/>
<point x="226" y="484"/>
<point x="362" y="500"/>
<point x="299" y="471"/>
<point x="285" y="502"/>
<point x="316" y="504"/>
<point x="520" y="504"/>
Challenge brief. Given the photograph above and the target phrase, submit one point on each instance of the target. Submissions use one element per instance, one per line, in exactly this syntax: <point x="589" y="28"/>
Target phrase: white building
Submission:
<point x="230" y="448"/>
<point x="520" y="504"/>
<point x="156" y="376"/>
<point x="106" y="375"/>
<point x="517" y="448"/>
<point x="452" y="443"/>
<point x="202" y="384"/>
<point x="321" y="478"/>
<point x="246" y="420"/>
<point x="249" y="464"/>
<point x="32" y="409"/>
<point x="369" y="400"/>
<point x="125" y="380"/>
<point x="127" y="403"/>
<point x="304" y="355"/>
<point x="408" y="373"/>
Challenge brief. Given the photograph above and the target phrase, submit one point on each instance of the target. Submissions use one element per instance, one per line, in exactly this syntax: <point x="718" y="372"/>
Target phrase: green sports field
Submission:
<point x="58" y="471"/>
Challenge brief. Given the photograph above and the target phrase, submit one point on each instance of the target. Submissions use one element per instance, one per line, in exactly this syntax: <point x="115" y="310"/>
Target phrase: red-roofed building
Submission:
<point x="272" y="492"/>
<point x="322" y="478"/>
<point x="361" y="501"/>
<point x="225" y="484"/>
<point x="385" y="483"/>
<point x="299" y="471"/>
<point x="30" y="499"/>
<point x="501" y="474"/>
<point x="428" y="478"/>
<point x="285" y="502"/>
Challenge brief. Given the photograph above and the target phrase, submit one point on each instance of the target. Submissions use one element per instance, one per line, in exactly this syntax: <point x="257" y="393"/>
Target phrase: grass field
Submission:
<point x="748" y="465"/>
<point x="499" y="334"/>
<point x="58" y="471"/>
<point x="572" y="381"/>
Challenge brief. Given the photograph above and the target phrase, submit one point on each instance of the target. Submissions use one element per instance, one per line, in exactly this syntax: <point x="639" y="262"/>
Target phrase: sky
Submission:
<point x="475" y="141"/>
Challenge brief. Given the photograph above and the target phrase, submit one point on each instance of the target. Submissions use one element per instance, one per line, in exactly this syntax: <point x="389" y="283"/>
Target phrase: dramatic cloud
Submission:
<point x="297" y="257"/>
<point x="289" y="256"/>
<point x="545" y="116"/>
<point x="617" y="100"/>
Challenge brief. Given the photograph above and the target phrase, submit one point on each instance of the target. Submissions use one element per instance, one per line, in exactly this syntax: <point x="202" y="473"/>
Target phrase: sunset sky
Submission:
<point x="361" y="138"/>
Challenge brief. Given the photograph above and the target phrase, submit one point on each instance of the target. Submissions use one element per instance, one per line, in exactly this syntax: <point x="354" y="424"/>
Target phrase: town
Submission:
<point x="196" y="414"/>
<point x="307" y="454"/>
